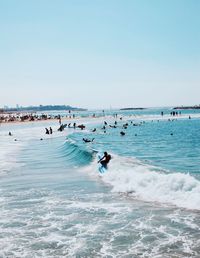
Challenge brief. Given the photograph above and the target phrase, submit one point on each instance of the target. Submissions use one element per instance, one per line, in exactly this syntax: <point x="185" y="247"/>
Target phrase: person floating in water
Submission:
<point x="87" y="140"/>
<point x="105" y="160"/>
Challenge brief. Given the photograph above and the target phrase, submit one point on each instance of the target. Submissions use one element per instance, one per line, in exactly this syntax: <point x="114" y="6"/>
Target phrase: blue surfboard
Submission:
<point x="102" y="169"/>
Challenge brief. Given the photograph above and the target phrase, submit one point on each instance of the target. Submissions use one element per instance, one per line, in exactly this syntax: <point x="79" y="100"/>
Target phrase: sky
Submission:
<point x="100" y="53"/>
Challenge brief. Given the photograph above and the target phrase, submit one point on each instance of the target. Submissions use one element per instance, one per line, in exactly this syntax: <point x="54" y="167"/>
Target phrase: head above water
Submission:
<point x="105" y="153"/>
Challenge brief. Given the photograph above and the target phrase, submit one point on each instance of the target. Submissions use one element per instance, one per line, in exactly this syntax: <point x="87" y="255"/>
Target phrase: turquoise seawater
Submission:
<point x="55" y="203"/>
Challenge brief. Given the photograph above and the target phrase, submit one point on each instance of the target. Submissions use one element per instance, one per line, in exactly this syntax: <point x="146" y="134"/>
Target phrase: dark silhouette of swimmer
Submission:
<point x="125" y="125"/>
<point x="94" y="130"/>
<point x="122" y="133"/>
<point x="50" y="130"/>
<point x="105" y="159"/>
<point x="10" y="134"/>
<point x="59" y="120"/>
<point x="47" y="131"/>
<point x="87" y="140"/>
<point x="81" y="126"/>
<point x="61" y="128"/>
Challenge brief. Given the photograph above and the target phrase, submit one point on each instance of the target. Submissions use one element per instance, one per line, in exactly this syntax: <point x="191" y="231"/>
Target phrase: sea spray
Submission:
<point x="148" y="183"/>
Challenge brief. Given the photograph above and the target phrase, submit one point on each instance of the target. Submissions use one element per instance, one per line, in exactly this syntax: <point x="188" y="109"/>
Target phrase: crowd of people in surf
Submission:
<point x="104" y="128"/>
<point x="118" y="123"/>
<point x="82" y="126"/>
<point x="115" y="125"/>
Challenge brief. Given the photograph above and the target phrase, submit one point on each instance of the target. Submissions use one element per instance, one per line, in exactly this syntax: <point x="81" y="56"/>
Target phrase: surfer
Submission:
<point x="81" y="126"/>
<point x="105" y="159"/>
<point x="87" y="140"/>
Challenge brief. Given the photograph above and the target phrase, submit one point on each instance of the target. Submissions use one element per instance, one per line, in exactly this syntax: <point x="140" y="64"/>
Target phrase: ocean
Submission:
<point x="54" y="202"/>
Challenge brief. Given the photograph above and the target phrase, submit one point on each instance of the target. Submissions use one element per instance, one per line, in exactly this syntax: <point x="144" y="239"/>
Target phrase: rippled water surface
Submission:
<point x="55" y="203"/>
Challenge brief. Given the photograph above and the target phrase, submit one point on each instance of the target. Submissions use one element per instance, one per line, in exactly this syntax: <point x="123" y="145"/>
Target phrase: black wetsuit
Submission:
<point x="105" y="161"/>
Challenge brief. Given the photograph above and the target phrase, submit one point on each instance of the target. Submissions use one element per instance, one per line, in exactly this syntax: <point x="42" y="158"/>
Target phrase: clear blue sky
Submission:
<point x="100" y="53"/>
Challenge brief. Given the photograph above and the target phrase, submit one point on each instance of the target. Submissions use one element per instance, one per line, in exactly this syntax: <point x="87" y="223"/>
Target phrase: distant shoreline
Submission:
<point x="132" y="108"/>
<point x="187" y="107"/>
<point x="42" y="108"/>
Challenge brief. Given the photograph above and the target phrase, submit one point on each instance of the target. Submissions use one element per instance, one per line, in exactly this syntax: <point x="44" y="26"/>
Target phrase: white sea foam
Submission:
<point x="10" y="146"/>
<point x="9" y="150"/>
<point x="128" y="175"/>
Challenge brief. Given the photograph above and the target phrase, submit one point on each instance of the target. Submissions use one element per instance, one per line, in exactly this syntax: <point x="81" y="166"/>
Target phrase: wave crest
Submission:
<point x="129" y="175"/>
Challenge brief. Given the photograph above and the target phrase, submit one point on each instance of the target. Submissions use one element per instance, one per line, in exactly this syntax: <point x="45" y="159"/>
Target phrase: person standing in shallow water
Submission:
<point x="47" y="131"/>
<point x="105" y="159"/>
<point x="59" y="120"/>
